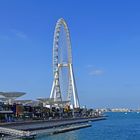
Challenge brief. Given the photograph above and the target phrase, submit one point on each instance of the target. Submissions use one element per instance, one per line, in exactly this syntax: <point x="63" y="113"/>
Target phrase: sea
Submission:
<point x="117" y="126"/>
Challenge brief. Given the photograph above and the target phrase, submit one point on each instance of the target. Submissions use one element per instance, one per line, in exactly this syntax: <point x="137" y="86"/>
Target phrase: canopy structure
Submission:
<point x="9" y="97"/>
<point x="50" y="101"/>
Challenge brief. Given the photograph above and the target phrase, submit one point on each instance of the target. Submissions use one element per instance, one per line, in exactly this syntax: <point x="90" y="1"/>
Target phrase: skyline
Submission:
<point x="105" y="47"/>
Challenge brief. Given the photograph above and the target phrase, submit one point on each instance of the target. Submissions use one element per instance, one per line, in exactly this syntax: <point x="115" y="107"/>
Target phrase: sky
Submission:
<point x="105" y="36"/>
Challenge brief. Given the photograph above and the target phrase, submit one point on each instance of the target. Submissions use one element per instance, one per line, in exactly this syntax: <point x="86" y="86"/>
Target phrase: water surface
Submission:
<point x="118" y="126"/>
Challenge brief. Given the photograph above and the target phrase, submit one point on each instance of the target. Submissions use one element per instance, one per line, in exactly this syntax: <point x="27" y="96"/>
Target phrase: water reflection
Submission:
<point x="73" y="135"/>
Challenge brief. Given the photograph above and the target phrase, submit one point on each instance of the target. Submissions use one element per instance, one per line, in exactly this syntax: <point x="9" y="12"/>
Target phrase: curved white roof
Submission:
<point x="12" y="94"/>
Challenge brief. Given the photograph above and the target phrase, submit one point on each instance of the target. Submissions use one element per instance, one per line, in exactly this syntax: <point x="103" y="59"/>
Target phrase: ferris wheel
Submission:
<point x="64" y="86"/>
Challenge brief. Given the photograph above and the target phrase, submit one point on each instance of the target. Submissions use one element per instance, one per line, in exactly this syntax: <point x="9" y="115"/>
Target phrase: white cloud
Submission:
<point x="96" y="72"/>
<point x="13" y="33"/>
<point x="93" y="71"/>
<point x="89" y="66"/>
<point x="19" y="34"/>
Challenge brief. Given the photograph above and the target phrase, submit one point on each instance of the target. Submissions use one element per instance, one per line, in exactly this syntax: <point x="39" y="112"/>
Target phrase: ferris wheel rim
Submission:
<point x="61" y="22"/>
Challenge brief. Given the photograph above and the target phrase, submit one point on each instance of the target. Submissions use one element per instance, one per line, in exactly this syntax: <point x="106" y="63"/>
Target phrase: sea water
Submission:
<point x="117" y="126"/>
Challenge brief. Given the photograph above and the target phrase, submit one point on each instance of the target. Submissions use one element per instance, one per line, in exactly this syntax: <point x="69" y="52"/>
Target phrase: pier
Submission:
<point x="34" y="129"/>
<point x="44" y="124"/>
<point x="14" y="134"/>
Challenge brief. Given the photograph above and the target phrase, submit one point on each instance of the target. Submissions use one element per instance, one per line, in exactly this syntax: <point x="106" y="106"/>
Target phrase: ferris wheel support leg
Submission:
<point x="52" y="91"/>
<point x="76" y="102"/>
<point x="76" y="94"/>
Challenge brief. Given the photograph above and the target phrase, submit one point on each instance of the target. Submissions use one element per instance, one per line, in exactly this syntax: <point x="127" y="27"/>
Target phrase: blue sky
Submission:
<point x="105" y="38"/>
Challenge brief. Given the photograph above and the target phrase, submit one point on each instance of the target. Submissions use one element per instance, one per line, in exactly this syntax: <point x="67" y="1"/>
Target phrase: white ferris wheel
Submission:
<point x="64" y="86"/>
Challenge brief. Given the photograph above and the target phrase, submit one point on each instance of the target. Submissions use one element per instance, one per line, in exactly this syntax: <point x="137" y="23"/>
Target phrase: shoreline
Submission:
<point x="49" y="127"/>
<point x="47" y="120"/>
